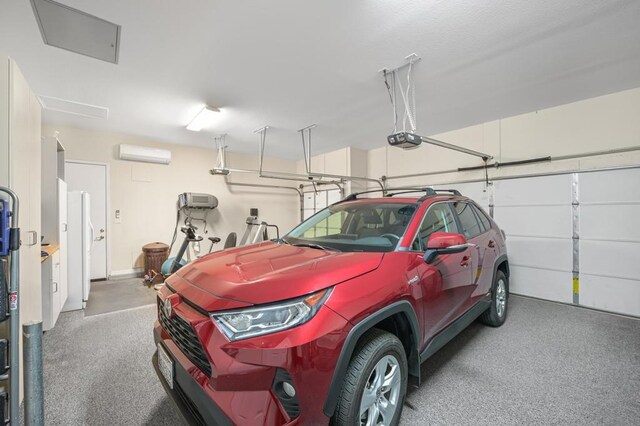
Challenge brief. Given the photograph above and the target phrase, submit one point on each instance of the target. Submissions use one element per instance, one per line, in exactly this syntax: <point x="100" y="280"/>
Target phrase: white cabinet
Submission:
<point x="54" y="290"/>
<point x="54" y="225"/>
<point x="20" y="170"/>
<point x="62" y="239"/>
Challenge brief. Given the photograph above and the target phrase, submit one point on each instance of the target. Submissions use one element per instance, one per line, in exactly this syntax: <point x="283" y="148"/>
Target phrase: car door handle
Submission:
<point x="465" y="261"/>
<point x="491" y="244"/>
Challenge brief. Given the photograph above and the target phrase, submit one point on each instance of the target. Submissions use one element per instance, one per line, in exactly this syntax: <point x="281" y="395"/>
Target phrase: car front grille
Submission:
<point x="185" y="338"/>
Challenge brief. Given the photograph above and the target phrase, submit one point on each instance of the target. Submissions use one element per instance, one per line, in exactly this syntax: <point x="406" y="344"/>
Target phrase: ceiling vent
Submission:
<point x="75" y="108"/>
<point x="71" y="29"/>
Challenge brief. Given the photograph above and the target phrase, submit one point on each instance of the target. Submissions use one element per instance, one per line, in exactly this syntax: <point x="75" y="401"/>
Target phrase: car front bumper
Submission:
<point x="241" y="388"/>
<point x="196" y="407"/>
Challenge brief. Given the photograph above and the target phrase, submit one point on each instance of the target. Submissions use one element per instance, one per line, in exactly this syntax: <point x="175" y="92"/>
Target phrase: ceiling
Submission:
<point x="291" y="63"/>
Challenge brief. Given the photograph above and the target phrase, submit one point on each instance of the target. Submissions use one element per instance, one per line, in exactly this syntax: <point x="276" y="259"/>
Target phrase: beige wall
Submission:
<point x="602" y="123"/>
<point x="146" y="194"/>
<point x="346" y="162"/>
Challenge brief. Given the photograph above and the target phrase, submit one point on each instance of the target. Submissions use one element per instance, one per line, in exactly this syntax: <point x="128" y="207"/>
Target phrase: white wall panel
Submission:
<point x="534" y="190"/>
<point x="610" y="186"/>
<point x="610" y="240"/>
<point x="333" y="196"/>
<point x="552" y="254"/>
<point x="309" y="201"/>
<point x="541" y="283"/>
<point x="477" y="191"/>
<point x="535" y="220"/>
<point x="605" y="293"/>
<point x="607" y="221"/>
<point x="535" y="213"/>
<point x="611" y="259"/>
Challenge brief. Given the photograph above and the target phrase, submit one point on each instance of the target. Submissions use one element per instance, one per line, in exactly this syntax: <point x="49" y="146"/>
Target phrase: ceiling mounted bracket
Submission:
<point x="394" y="85"/>
<point x="263" y="136"/>
<point x="306" y="146"/>
<point x="221" y="148"/>
<point x="409" y="139"/>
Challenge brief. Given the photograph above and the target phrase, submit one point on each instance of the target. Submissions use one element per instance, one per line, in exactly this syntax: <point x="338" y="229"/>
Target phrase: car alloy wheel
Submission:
<point x="501" y="298"/>
<point x="381" y="394"/>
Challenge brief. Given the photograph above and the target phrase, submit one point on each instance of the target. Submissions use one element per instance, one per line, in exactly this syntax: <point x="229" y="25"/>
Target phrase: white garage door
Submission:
<point x="601" y="209"/>
<point x="477" y="191"/>
<point x="610" y="240"/>
<point x="535" y="213"/>
<point x="314" y="201"/>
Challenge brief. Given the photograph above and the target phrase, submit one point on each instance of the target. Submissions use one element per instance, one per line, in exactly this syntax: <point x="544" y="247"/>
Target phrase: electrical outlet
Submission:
<point x="118" y="217"/>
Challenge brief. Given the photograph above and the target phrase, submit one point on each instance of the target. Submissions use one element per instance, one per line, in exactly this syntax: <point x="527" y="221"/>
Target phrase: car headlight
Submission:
<point x="256" y="321"/>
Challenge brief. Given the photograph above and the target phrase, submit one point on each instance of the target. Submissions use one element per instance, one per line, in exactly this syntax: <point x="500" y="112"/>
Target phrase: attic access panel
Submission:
<point x="71" y="29"/>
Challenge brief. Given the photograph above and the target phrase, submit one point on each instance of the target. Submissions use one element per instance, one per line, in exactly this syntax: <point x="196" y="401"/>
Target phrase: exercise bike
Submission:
<point x="172" y="264"/>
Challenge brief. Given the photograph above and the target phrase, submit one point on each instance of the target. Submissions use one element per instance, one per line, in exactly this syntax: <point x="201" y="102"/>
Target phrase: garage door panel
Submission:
<point x="476" y="191"/>
<point x="610" y="294"/>
<point x="610" y="186"/>
<point x="610" y="258"/>
<point x="544" y="284"/>
<point x="534" y="190"/>
<point x="611" y="222"/>
<point x="535" y="221"/>
<point x="554" y="254"/>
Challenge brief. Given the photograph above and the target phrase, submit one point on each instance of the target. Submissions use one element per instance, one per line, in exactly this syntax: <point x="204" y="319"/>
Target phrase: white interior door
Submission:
<point x="93" y="178"/>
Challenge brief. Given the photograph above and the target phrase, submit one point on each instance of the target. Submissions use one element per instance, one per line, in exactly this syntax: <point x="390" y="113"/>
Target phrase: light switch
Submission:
<point x="118" y="218"/>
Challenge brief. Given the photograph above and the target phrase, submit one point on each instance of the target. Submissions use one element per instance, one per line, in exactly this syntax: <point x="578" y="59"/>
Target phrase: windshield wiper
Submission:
<point x="314" y="246"/>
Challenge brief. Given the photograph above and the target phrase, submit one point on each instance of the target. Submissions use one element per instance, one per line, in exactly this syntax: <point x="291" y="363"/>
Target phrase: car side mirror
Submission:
<point x="444" y="243"/>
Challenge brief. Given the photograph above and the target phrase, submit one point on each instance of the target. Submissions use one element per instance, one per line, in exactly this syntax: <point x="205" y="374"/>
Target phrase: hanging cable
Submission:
<point x="391" y="93"/>
<point x="407" y="101"/>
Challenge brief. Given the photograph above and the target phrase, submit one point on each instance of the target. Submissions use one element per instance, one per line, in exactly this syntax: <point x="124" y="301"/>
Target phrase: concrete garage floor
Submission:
<point x="117" y="295"/>
<point x="549" y="364"/>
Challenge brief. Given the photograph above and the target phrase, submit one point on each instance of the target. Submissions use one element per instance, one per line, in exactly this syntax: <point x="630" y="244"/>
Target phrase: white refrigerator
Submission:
<point x="79" y="241"/>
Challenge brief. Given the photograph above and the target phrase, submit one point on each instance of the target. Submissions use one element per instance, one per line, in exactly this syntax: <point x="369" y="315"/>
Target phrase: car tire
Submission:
<point x="376" y="382"/>
<point x="496" y="315"/>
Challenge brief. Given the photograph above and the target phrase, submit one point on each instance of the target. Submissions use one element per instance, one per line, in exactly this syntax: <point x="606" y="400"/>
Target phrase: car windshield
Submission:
<point x="349" y="227"/>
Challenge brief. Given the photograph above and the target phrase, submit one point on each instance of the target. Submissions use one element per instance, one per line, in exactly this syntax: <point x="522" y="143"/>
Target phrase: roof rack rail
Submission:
<point x="429" y="192"/>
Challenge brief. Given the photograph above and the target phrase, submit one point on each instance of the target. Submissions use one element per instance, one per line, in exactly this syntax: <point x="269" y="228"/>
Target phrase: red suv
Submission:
<point x="329" y="323"/>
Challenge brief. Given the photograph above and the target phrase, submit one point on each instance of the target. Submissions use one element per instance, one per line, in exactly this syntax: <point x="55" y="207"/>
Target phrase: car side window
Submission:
<point x="470" y="225"/>
<point x="483" y="218"/>
<point x="439" y="218"/>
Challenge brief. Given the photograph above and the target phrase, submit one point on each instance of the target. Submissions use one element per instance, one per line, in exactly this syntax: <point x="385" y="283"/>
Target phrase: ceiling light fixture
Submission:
<point x="203" y="119"/>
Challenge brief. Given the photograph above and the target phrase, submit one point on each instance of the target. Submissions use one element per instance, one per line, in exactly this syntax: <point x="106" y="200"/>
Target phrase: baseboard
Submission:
<point x="127" y="273"/>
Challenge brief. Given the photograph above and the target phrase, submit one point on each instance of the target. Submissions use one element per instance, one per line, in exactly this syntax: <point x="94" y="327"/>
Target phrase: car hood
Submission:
<point x="269" y="272"/>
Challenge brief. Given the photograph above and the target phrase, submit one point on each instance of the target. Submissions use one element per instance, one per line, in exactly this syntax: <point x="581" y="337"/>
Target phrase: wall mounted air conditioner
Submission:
<point x="144" y="154"/>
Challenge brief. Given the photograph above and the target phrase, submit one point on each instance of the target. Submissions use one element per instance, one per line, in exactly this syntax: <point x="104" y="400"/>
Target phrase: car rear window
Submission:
<point x="470" y="225"/>
<point x="483" y="217"/>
